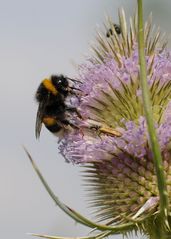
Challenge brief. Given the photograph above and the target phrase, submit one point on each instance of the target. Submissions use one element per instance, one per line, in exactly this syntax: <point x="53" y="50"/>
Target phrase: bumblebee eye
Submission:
<point x="63" y="83"/>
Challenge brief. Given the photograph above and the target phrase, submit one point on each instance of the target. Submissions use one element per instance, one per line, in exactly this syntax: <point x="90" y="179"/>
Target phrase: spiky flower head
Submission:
<point x="111" y="137"/>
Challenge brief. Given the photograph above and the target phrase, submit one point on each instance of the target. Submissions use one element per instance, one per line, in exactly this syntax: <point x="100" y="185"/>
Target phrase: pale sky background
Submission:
<point x="38" y="38"/>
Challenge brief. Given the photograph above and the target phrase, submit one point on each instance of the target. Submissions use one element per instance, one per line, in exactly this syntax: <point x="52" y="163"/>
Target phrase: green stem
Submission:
<point x="155" y="229"/>
<point x="149" y="118"/>
<point x="155" y="235"/>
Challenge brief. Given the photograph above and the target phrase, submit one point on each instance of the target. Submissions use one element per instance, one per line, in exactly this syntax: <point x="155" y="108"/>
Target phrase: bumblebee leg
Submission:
<point x="74" y="88"/>
<point x="67" y="122"/>
<point x="73" y="109"/>
<point x="96" y="130"/>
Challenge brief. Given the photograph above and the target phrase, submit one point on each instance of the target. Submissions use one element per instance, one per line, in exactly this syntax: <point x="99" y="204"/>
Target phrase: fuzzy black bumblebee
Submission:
<point x="117" y="30"/>
<point x="51" y="95"/>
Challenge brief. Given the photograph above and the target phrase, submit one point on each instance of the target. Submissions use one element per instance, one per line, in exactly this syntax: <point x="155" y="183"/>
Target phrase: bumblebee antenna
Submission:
<point x="73" y="88"/>
<point x="74" y="80"/>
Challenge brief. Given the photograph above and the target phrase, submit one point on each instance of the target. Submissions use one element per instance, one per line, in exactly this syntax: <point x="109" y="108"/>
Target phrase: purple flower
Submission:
<point x="111" y="140"/>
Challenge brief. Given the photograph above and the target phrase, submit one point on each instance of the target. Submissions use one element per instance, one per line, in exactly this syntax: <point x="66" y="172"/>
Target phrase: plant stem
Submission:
<point x="149" y="119"/>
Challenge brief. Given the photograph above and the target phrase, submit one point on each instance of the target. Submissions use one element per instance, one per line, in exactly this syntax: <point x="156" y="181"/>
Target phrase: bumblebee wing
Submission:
<point x="39" y="117"/>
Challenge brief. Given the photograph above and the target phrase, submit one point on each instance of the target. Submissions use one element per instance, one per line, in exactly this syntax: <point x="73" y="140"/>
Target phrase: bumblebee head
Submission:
<point x="60" y="83"/>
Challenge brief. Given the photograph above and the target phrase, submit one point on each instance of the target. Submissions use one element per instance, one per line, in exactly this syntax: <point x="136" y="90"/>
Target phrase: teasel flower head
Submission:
<point x="111" y="138"/>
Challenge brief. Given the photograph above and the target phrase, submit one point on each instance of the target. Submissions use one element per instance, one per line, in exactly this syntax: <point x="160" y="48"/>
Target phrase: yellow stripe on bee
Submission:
<point x="110" y="131"/>
<point x="49" y="121"/>
<point x="49" y="86"/>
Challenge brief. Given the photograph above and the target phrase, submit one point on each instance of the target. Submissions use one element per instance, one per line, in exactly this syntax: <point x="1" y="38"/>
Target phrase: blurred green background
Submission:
<point x="38" y="38"/>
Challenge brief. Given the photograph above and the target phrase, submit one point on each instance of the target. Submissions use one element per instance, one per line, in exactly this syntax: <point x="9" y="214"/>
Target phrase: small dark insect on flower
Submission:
<point x="117" y="30"/>
<point x="51" y="96"/>
<point x="101" y="128"/>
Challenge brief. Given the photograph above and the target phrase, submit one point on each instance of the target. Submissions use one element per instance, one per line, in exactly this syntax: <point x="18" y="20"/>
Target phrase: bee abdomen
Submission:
<point x="51" y="124"/>
<point x="54" y="128"/>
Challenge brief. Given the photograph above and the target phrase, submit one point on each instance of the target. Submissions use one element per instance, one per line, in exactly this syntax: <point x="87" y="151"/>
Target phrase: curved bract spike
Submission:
<point x="74" y="214"/>
<point x="98" y="236"/>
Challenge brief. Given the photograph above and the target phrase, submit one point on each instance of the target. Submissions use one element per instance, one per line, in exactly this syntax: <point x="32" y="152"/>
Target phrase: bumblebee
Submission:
<point x="117" y="30"/>
<point x="51" y="95"/>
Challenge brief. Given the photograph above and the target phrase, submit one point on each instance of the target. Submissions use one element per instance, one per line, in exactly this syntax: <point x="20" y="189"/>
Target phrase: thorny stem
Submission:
<point x="150" y="123"/>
